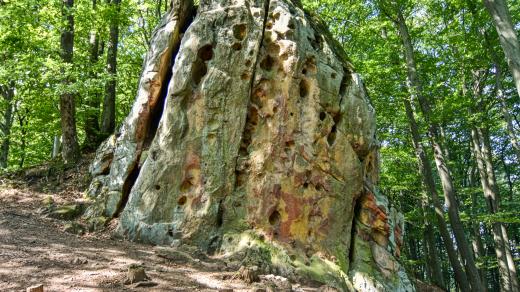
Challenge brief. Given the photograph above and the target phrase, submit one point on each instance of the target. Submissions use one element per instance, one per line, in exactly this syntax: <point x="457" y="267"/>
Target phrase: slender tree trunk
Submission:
<point x="92" y="138"/>
<point x="483" y="156"/>
<point x="490" y="199"/>
<point x="7" y="94"/>
<point x="478" y="246"/>
<point x="108" y="120"/>
<point x="507" y="35"/>
<point x="442" y="167"/>
<point x="505" y="112"/>
<point x="495" y="195"/>
<point x="70" y="150"/>
<point x="22" y="123"/>
<point x="428" y="181"/>
<point x="433" y="265"/>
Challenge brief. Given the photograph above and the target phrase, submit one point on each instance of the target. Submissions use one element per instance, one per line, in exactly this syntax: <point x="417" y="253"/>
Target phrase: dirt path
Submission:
<point x="35" y="249"/>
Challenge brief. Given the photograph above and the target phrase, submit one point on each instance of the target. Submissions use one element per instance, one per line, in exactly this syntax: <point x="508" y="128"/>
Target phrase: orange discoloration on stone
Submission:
<point x="398" y="240"/>
<point x="375" y="218"/>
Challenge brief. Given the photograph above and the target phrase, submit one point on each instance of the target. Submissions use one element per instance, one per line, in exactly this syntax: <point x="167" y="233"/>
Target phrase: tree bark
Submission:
<point x="92" y="137"/>
<point x="505" y="112"/>
<point x="507" y="35"/>
<point x="7" y="94"/>
<point x="433" y="258"/>
<point x="108" y="120"/>
<point x="415" y="88"/>
<point x="22" y="123"/>
<point x="70" y="150"/>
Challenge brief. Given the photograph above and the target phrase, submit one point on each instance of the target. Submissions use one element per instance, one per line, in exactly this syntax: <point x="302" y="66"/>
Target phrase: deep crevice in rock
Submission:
<point x="353" y="230"/>
<point x="153" y="115"/>
<point x="127" y="187"/>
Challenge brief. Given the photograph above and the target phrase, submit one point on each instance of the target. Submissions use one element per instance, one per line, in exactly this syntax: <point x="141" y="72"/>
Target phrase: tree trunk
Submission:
<point x="253" y="139"/>
<point x="7" y="94"/>
<point x="505" y="278"/>
<point x="108" y="119"/>
<point x="22" y="123"/>
<point x="429" y="182"/>
<point x="70" y="149"/>
<point x="495" y="196"/>
<point x="92" y="135"/>
<point x="507" y="35"/>
<point x="415" y="88"/>
<point x="433" y="258"/>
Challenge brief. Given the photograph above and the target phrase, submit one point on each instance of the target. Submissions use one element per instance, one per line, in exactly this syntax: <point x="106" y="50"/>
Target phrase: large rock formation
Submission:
<point x="252" y="138"/>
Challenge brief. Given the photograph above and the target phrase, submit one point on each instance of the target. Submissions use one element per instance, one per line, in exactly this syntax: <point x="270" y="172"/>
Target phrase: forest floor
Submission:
<point x="35" y="249"/>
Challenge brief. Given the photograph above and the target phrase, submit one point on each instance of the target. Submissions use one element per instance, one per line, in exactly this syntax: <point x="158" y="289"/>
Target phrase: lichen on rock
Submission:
<point x="253" y="138"/>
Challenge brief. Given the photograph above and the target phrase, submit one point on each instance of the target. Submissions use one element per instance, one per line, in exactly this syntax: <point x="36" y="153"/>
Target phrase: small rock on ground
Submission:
<point x="36" y="288"/>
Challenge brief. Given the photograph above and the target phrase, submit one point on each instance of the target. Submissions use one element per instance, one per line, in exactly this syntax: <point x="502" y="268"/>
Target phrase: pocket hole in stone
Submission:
<point x="239" y="31"/>
<point x="274" y="218"/>
<point x="304" y="88"/>
<point x="237" y="46"/>
<point x="323" y="115"/>
<point x="267" y="63"/>
<point x="206" y="52"/>
<point x="182" y="200"/>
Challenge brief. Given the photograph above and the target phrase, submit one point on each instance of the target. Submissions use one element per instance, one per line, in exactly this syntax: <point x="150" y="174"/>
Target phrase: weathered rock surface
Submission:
<point x="252" y="138"/>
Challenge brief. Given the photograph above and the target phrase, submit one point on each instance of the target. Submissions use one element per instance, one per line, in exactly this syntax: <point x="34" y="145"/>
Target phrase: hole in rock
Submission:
<point x="304" y="71"/>
<point x="305" y="185"/>
<point x="239" y="31"/>
<point x="323" y="115"/>
<point x="237" y="46"/>
<point x="318" y="188"/>
<point x="220" y="214"/>
<point x="344" y="82"/>
<point x="248" y="63"/>
<point x="186" y="185"/>
<point x="199" y="70"/>
<point x="291" y="114"/>
<point x="245" y="76"/>
<point x="291" y="25"/>
<point x="170" y="231"/>
<point x="332" y="136"/>
<point x="333" y="75"/>
<point x="274" y="218"/>
<point x="267" y="63"/>
<point x="304" y="88"/>
<point x="182" y="200"/>
<point x="157" y="187"/>
<point x="205" y="53"/>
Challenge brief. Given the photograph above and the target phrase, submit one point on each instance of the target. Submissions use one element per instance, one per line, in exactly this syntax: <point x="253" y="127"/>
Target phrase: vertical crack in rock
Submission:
<point x="138" y="129"/>
<point x="149" y="119"/>
<point x="251" y="117"/>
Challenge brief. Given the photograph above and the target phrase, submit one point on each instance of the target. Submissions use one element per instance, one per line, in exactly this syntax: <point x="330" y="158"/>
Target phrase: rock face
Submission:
<point x="252" y="138"/>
